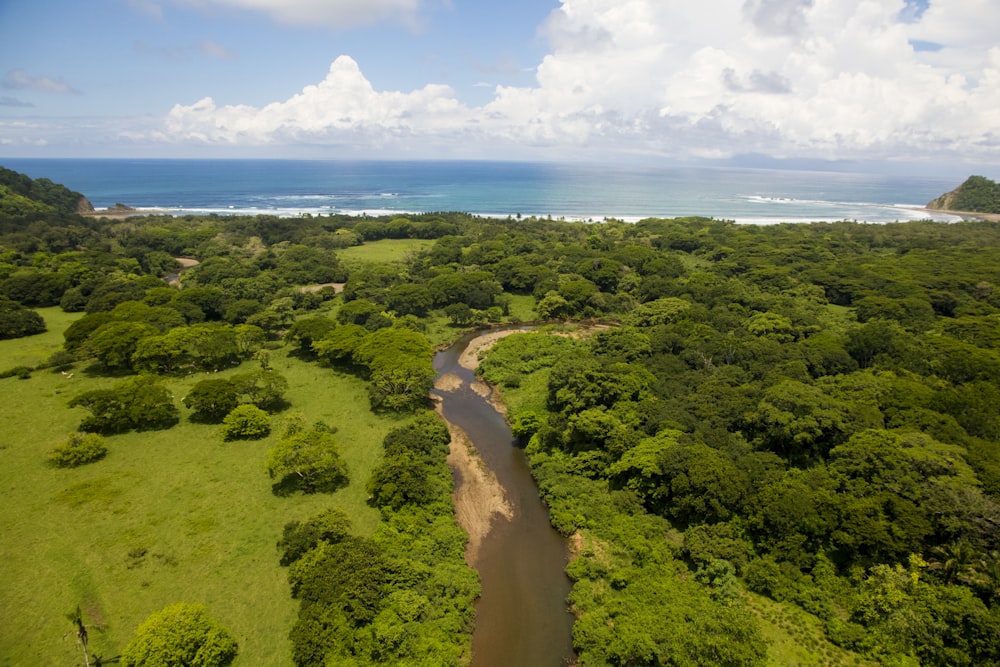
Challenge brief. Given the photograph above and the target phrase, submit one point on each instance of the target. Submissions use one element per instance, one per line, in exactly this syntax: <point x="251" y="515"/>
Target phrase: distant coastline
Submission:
<point x="488" y="189"/>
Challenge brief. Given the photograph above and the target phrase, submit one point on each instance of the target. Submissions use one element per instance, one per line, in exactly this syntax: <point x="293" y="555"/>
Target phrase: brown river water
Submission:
<point x="521" y="617"/>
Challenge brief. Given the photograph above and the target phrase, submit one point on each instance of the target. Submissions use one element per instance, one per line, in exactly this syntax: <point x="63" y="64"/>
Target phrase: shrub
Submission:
<point x="181" y="634"/>
<point x="81" y="448"/>
<point x="20" y="372"/>
<point x="246" y="422"/>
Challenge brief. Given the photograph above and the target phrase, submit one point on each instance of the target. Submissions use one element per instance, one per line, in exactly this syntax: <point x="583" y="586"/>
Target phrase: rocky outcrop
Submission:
<point x="83" y="206"/>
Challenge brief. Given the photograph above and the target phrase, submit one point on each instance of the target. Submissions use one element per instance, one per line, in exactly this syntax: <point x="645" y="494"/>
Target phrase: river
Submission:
<point x="521" y="617"/>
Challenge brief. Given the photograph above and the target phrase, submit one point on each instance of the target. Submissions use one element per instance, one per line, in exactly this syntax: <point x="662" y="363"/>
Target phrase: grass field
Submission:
<point x="384" y="251"/>
<point x="167" y="516"/>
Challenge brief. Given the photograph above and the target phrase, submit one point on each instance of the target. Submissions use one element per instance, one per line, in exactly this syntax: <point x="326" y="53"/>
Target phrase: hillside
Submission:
<point x="977" y="194"/>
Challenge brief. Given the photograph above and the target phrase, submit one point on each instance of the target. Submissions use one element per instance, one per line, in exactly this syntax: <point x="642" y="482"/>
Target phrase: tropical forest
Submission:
<point x="762" y="444"/>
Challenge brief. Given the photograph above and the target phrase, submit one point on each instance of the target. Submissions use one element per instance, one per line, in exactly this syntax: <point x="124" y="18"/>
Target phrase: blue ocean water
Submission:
<point x="578" y="192"/>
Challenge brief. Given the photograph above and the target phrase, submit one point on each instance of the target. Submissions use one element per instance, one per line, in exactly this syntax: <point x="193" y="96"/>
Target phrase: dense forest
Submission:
<point x="803" y="414"/>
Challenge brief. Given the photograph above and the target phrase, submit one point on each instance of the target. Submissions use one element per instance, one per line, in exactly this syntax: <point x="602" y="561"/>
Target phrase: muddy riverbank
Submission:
<point x="521" y="617"/>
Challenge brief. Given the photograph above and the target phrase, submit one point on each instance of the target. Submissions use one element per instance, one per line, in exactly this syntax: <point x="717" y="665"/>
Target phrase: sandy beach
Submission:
<point x="124" y="212"/>
<point x="965" y="215"/>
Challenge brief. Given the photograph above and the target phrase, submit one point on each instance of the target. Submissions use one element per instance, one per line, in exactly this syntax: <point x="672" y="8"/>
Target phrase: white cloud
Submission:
<point x="18" y="79"/>
<point x="337" y="14"/>
<point x="788" y="78"/>
<point x="344" y="106"/>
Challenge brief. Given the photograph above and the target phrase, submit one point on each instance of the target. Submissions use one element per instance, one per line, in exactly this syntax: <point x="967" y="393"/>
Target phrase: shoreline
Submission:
<point x="123" y="213"/>
<point x="936" y="215"/>
<point x="967" y="216"/>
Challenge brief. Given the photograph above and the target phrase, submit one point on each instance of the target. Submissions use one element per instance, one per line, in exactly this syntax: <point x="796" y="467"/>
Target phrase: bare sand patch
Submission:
<point x="478" y="496"/>
<point x="186" y="262"/>
<point x="470" y="356"/>
<point x="448" y="382"/>
<point x="337" y="287"/>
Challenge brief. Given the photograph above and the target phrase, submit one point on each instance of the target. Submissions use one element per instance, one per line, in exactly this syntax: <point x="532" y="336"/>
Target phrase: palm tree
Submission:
<point x="954" y="560"/>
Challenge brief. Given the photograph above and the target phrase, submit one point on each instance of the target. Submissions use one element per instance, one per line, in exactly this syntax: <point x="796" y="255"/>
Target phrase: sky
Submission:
<point x="890" y="82"/>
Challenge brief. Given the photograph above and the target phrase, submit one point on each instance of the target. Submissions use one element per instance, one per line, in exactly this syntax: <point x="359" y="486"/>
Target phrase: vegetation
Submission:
<point x="794" y="417"/>
<point x="81" y="448"/>
<point x="182" y="635"/>
<point x="245" y="422"/>
<point x="17" y="321"/>
<point x="977" y="194"/>
<point x="307" y="460"/>
<point x="402" y="597"/>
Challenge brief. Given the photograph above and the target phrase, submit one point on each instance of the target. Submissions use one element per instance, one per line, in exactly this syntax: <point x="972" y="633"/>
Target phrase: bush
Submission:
<point x="246" y="422"/>
<point x="181" y="634"/>
<point x="20" y="372"/>
<point x="81" y="448"/>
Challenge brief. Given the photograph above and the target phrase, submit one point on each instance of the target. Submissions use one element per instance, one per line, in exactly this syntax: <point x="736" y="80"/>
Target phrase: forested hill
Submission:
<point x="24" y="198"/>
<point x="977" y="194"/>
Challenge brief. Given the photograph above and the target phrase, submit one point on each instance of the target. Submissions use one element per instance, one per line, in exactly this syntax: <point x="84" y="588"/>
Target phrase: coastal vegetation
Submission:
<point x="977" y="194"/>
<point x="783" y="448"/>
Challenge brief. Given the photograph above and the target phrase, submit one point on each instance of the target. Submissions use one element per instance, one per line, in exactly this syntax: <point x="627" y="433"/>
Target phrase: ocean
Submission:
<point x="574" y="192"/>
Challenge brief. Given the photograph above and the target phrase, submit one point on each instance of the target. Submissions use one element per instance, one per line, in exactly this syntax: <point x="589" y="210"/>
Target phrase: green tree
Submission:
<point x="338" y="345"/>
<point x="17" y="321"/>
<point x="114" y="343"/>
<point x="264" y="388"/>
<point x="245" y="422"/>
<point x="140" y="403"/>
<point x="211" y="400"/>
<point x="298" y="537"/>
<point x="307" y="460"/>
<point x="181" y="635"/>
<point x="307" y="331"/>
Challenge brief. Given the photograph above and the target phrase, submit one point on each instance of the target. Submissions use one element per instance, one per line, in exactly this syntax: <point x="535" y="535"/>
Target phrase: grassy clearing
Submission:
<point x="385" y="251"/>
<point x="796" y="638"/>
<point x="522" y="308"/>
<point x="33" y="350"/>
<point x="167" y="516"/>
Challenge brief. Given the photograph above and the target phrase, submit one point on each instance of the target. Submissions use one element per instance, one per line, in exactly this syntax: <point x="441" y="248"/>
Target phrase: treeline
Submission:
<point x="402" y="597"/>
<point x="803" y="411"/>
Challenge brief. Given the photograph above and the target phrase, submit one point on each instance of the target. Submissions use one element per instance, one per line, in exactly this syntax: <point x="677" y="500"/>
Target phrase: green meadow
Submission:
<point x="384" y="251"/>
<point x="166" y="516"/>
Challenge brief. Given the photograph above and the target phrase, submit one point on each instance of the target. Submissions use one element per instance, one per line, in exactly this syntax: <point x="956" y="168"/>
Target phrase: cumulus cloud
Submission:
<point x="18" y="79"/>
<point x="337" y="14"/>
<point x="788" y="78"/>
<point x="342" y="106"/>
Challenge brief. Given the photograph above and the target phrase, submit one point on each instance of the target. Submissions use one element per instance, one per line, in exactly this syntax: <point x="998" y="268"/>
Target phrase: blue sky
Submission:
<point x="879" y="81"/>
